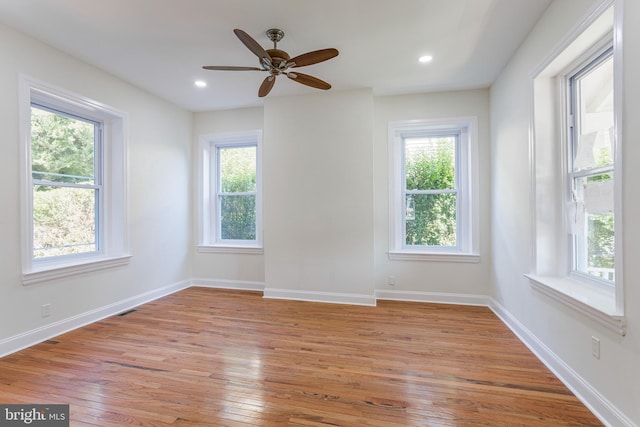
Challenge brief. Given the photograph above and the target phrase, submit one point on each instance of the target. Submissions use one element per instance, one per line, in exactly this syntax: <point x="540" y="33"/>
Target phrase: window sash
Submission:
<point x="220" y="194"/>
<point x="406" y="192"/>
<point x="579" y="241"/>
<point x="96" y="186"/>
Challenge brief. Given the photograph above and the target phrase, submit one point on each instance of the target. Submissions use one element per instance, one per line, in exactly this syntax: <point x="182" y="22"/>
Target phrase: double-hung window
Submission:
<point x="433" y="198"/>
<point x="576" y="169"/>
<point x="591" y="167"/>
<point x="73" y="183"/>
<point x="230" y="197"/>
<point x="66" y="174"/>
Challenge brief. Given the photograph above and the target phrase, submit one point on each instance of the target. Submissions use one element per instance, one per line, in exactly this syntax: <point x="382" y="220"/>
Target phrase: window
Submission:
<point x="591" y="168"/>
<point x="433" y="198"/>
<point x="73" y="184"/>
<point x="66" y="154"/>
<point x="231" y="193"/>
<point x="576" y="170"/>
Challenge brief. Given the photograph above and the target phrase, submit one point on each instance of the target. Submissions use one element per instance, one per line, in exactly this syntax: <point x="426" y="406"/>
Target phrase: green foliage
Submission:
<point x="238" y="169"/>
<point x="238" y="175"/>
<point x="434" y="222"/>
<point x="63" y="221"/>
<point x="601" y="235"/>
<point x="238" y="217"/>
<point x="61" y="145"/>
<point x="62" y="149"/>
<point x="601" y="241"/>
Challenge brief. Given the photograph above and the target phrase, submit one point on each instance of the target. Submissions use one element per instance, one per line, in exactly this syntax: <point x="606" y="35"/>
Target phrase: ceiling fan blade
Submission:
<point x="266" y="86"/>
<point x="314" y="57"/>
<point x="252" y="45"/>
<point x="231" y="68"/>
<point x="308" y="80"/>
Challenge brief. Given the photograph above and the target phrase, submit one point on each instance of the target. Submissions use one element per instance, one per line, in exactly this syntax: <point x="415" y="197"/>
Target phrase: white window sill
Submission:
<point x="594" y="301"/>
<point x="434" y="256"/>
<point x="44" y="273"/>
<point x="220" y="249"/>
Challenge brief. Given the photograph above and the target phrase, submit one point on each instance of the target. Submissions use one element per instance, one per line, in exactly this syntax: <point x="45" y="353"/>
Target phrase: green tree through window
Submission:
<point x="237" y="192"/>
<point x="431" y="197"/>
<point x="65" y="190"/>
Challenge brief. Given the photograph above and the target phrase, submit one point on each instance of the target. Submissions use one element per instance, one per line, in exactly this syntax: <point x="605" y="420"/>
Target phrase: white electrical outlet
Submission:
<point x="46" y="310"/>
<point x="595" y="347"/>
<point x="392" y="280"/>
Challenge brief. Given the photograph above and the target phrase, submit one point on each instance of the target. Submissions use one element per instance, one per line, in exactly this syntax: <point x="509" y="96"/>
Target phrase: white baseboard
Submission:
<point x="589" y="396"/>
<point x="435" y="297"/>
<point x="228" y="284"/>
<point x="35" y="336"/>
<point x="328" y="297"/>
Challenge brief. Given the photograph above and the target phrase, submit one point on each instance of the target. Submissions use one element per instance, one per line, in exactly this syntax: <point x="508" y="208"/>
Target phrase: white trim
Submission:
<point x="434" y="256"/>
<point x="618" y="94"/>
<point x="584" y="298"/>
<point x="467" y="171"/>
<point x="599" y="405"/>
<point x="35" y="336"/>
<point x="206" y="206"/>
<point x="327" y="297"/>
<point x="433" y="297"/>
<point x="114" y="231"/>
<point x="213" y="249"/>
<point x="550" y="271"/>
<point x="61" y="271"/>
<point x="228" y="284"/>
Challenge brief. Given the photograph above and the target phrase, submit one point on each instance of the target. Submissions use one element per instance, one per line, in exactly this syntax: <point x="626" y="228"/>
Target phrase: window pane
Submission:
<point x="63" y="221"/>
<point x="594" y="142"/>
<point x="238" y="169"/>
<point x="238" y="217"/>
<point x="595" y="237"/>
<point x="430" y="163"/>
<point x="62" y="148"/>
<point x="432" y="220"/>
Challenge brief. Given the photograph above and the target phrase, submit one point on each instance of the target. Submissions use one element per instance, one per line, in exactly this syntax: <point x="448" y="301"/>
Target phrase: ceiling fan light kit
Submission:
<point x="276" y="62"/>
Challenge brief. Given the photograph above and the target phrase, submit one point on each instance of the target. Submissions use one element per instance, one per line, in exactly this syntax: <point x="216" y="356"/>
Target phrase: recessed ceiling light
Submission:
<point x="426" y="58"/>
<point x="200" y="83"/>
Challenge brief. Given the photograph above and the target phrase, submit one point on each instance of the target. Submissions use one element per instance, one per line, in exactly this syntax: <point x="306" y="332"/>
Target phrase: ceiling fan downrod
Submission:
<point x="275" y="35"/>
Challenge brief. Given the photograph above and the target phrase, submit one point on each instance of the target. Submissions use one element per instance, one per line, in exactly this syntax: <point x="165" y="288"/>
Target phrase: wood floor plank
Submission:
<point x="205" y="357"/>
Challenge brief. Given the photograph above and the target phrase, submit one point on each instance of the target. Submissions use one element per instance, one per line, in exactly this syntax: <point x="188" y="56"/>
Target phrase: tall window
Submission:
<point x="430" y="190"/>
<point x="236" y="193"/>
<point x="230" y="196"/>
<point x="576" y="169"/>
<point x="73" y="183"/>
<point x="433" y="199"/>
<point x="591" y="168"/>
<point x="66" y="154"/>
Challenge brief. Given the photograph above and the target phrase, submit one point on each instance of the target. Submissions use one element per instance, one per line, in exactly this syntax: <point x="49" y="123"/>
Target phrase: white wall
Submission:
<point x="159" y="191"/>
<point x="215" y="268"/>
<point x="430" y="277"/>
<point x="326" y="184"/>
<point x="566" y="333"/>
<point x="318" y="193"/>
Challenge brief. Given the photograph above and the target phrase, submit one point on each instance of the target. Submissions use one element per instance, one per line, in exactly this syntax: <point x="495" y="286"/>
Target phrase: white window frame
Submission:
<point x="577" y="250"/>
<point x="208" y="230"/>
<point x="467" y="188"/>
<point x="113" y="233"/>
<point x="551" y="266"/>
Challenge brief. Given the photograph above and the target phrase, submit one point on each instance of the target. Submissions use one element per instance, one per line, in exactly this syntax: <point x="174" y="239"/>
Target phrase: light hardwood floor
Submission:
<point x="205" y="357"/>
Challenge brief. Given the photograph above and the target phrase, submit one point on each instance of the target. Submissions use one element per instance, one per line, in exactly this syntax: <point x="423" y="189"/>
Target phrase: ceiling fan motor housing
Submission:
<point x="279" y="58"/>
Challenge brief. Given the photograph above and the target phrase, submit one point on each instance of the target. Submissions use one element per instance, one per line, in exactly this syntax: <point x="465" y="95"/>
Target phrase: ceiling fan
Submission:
<point x="277" y="62"/>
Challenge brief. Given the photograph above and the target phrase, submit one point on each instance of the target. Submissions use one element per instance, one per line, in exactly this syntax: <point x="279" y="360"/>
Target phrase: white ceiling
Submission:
<point x="161" y="45"/>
